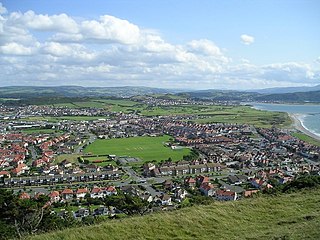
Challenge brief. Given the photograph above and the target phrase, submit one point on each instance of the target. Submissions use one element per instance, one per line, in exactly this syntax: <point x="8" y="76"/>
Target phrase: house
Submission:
<point x="166" y="171"/>
<point x="24" y="195"/>
<point x="168" y="184"/>
<point x="226" y="195"/>
<point x="165" y="199"/>
<point x="190" y="182"/>
<point x="38" y="163"/>
<point x="4" y="174"/>
<point x="147" y="197"/>
<point x="202" y="179"/>
<point x="101" y="211"/>
<point x="180" y="194"/>
<point x="81" y="213"/>
<point x="97" y="192"/>
<point x="260" y="184"/>
<point x="20" y="169"/>
<point x="81" y="193"/>
<point x="92" y="168"/>
<point x="237" y="179"/>
<point x="65" y="164"/>
<point x="67" y="194"/>
<point x="181" y="170"/>
<point x="54" y="196"/>
<point x="207" y="189"/>
<point x="111" y="190"/>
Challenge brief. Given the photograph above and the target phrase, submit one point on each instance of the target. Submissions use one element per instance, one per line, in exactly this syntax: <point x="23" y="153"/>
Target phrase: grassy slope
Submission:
<point x="145" y="148"/>
<point x="292" y="216"/>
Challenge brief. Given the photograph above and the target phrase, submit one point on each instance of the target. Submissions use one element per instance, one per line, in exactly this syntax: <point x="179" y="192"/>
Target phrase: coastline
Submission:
<point x="299" y="126"/>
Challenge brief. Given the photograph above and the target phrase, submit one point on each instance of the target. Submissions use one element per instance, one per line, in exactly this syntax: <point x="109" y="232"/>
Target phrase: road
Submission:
<point x="91" y="139"/>
<point x="33" y="152"/>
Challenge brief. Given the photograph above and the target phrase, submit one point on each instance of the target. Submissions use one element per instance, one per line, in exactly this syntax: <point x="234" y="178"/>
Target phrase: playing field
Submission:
<point x="145" y="148"/>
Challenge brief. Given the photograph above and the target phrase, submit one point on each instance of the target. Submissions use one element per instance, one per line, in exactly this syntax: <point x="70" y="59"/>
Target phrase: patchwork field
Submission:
<point x="145" y="148"/>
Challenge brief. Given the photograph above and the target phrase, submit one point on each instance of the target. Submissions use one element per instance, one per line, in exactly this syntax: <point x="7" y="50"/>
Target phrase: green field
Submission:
<point x="145" y="148"/>
<point x="306" y="138"/>
<point x="291" y="216"/>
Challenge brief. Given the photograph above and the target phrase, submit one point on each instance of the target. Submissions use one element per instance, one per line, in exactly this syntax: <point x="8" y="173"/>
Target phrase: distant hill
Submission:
<point x="290" y="216"/>
<point x="301" y="97"/>
<point x="23" y="92"/>
<point x="221" y="95"/>
<point x="59" y="93"/>
<point x="287" y="90"/>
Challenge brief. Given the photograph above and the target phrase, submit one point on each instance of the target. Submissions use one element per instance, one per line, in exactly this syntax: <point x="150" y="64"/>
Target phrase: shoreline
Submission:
<point x="297" y="124"/>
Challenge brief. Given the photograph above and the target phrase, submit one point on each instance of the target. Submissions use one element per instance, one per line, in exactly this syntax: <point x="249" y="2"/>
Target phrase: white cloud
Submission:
<point x="68" y="52"/>
<point x="204" y="46"/>
<point x="247" y="39"/>
<point x="15" y="49"/>
<point x="60" y="23"/>
<point x="3" y="10"/>
<point x="110" y="29"/>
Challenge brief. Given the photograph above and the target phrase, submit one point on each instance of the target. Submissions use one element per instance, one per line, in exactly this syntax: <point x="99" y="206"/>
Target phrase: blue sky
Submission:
<point x="178" y="44"/>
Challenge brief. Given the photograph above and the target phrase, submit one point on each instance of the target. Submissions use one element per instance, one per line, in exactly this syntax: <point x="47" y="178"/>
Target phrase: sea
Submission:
<point x="308" y="114"/>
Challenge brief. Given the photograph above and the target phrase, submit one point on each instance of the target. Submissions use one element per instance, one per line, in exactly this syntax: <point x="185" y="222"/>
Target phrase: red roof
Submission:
<point x="111" y="189"/>
<point x="190" y="180"/>
<point x="24" y="195"/>
<point x="225" y="193"/>
<point x="82" y="190"/>
<point x="54" y="194"/>
<point x="4" y="172"/>
<point x="95" y="190"/>
<point x="67" y="191"/>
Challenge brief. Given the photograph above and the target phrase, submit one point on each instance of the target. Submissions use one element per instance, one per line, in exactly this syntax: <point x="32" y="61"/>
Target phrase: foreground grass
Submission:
<point x="145" y="148"/>
<point x="291" y="216"/>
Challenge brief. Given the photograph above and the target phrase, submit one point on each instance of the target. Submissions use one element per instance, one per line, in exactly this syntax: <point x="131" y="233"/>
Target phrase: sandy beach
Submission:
<point x="298" y="125"/>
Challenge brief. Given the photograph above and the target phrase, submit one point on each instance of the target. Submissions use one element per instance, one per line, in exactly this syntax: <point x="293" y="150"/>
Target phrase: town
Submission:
<point x="220" y="161"/>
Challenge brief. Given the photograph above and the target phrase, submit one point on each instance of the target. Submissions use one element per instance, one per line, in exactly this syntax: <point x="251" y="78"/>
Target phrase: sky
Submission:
<point x="190" y="44"/>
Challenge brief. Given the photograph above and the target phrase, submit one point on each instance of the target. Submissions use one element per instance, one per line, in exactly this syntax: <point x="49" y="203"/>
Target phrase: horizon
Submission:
<point x="164" y="88"/>
<point x="223" y="46"/>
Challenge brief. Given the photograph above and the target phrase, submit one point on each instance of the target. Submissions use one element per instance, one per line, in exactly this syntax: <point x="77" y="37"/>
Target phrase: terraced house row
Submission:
<point x="67" y="178"/>
<point x="177" y="170"/>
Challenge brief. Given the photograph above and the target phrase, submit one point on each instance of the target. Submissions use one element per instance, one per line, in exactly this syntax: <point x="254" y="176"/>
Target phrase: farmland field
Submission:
<point x="145" y="148"/>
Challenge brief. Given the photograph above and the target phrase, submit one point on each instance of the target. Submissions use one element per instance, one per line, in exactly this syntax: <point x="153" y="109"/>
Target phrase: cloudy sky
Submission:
<point x="188" y="44"/>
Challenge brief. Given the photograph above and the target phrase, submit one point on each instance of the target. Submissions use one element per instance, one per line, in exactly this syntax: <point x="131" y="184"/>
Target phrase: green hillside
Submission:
<point x="291" y="216"/>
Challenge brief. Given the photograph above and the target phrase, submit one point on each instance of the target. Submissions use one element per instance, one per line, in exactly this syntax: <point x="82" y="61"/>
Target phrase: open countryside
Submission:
<point x="144" y="148"/>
